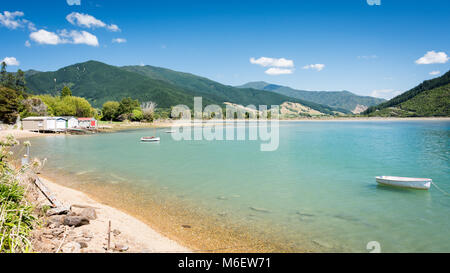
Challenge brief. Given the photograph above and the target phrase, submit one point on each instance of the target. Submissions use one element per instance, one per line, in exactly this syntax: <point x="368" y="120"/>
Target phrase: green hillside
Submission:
<point x="337" y="99"/>
<point x="430" y="103"/>
<point x="421" y="88"/>
<point x="99" y="82"/>
<point x="224" y="93"/>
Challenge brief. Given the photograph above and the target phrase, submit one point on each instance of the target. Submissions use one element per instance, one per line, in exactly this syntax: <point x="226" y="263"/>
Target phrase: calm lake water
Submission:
<point x="318" y="189"/>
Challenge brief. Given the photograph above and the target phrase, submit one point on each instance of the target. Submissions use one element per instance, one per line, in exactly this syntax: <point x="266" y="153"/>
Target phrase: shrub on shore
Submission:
<point x="67" y="106"/>
<point x="128" y="109"/>
<point x="16" y="218"/>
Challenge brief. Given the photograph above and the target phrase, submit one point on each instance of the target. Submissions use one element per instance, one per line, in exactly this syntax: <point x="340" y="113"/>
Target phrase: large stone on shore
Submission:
<point x="89" y="213"/>
<point x="75" y="221"/>
<point x="71" y="247"/>
<point x="58" y="211"/>
<point x="55" y="221"/>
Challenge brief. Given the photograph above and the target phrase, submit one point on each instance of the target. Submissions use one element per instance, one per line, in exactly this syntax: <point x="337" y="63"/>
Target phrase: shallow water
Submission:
<point x="317" y="190"/>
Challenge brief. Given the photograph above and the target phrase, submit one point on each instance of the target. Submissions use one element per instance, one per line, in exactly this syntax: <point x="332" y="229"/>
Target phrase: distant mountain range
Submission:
<point x="336" y="99"/>
<point x="221" y="93"/>
<point x="429" y="99"/>
<point x="99" y="82"/>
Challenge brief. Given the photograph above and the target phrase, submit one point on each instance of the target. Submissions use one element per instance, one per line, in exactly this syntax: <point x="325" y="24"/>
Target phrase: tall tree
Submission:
<point x="20" y="81"/>
<point x="127" y="105"/>
<point x="110" y="110"/>
<point x="9" y="104"/>
<point x="10" y="81"/>
<point x="3" y="74"/>
<point x="66" y="92"/>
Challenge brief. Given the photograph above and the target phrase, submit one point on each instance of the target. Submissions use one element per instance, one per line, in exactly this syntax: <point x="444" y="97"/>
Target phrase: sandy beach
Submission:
<point x="20" y="134"/>
<point x="128" y="231"/>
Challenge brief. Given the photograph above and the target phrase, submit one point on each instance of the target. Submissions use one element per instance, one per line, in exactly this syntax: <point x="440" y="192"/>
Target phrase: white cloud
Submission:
<point x="9" y="20"/>
<point x="385" y="93"/>
<point x="45" y="37"/>
<point x="273" y="71"/>
<point x="89" y="21"/>
<point x="27" y="43"/>
<point x="64" y="37"/>
<point x="119" y="40"/>
<point x="317" y="67"/>
<point x="31" y="26"/>
<point x="11" y="61"/>
<point x="83" y="37"/>
<point x="113" y="28"/>
<point x="13" y="20"/>
<point x="265" y="62"/>
<point x="74" y="2"/>
<point x="434" y="73"/>
<point x="433" y="57"/>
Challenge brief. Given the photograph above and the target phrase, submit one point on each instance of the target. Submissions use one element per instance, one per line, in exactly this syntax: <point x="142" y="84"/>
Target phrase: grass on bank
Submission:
<point x="16" y="218"/>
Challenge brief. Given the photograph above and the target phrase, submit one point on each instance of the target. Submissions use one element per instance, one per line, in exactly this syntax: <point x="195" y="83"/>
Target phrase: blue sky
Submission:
<point x="312" y="45"/>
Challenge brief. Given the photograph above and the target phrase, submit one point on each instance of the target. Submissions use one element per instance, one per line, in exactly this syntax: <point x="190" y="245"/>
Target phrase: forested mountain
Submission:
<point x="337" y="99"/>
<point x="99" y="82"/>
<point x="225" y="93"/>
<point x="430" y="98"/>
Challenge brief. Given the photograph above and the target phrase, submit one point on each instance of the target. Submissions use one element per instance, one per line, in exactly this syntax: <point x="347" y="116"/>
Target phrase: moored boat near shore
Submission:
<point x="150" y="139"/>
<point x="405" y="182"/>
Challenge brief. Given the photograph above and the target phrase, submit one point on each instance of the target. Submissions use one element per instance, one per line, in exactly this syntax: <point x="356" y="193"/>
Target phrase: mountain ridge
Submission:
<point x="218" y="90"/>
<point x="410" y="94"/>
<point x="428" y="99"/>
<point x="337" y="99"/>
<point x="99" y="82"/>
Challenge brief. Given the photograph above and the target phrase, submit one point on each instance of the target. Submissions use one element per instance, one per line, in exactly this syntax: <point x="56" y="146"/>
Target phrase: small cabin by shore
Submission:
<point x="87" y="123"/>
<point x="72" y="122"/>
<point x="57" y="124"/>
<point x="50" y="124"/>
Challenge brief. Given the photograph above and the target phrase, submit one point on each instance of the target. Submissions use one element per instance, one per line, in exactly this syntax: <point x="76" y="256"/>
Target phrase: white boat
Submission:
<point x="170" y="131"/>
<point x="150" y="139"/>
<point x="405" y="182"/>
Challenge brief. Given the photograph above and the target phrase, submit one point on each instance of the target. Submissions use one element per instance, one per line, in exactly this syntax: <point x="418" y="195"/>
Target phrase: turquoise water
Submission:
<point x="318" y="189"/>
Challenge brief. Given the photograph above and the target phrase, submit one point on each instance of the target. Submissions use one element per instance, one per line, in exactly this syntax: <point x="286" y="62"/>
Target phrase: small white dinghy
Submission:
<point x="150" y="139"/>
<point x="405" y="182"/>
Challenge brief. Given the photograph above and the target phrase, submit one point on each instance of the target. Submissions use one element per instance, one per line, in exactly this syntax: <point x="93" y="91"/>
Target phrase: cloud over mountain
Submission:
<point x="89" y="21"/>
<point x="45" y="37"/>
<point x="433" y="57"/>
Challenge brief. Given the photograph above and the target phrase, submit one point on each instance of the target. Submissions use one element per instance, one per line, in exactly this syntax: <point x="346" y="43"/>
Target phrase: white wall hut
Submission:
<point x="87" y="123"/>
<point x="60" y="124"/>
<point x="39" y="124"/>
<point x="72" y="122"/>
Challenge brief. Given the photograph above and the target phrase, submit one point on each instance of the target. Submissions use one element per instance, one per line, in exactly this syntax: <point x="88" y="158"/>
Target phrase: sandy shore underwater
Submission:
<point x="139" y="237"/>
<point x="173" y="218"/>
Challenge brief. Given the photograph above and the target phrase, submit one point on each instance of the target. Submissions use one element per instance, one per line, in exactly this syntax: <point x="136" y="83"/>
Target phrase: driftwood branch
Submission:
<point x="109" y="235"/>
<point x="47" y="193"/>
<point x="84" y="206"/>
